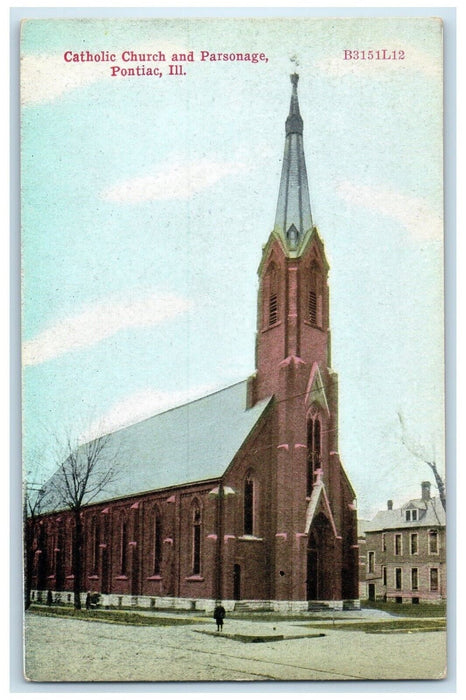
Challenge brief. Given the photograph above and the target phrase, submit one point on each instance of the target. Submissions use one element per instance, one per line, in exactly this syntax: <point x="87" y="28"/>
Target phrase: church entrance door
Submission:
<point x="320" y="570"/>
<point x="312" y="574"/>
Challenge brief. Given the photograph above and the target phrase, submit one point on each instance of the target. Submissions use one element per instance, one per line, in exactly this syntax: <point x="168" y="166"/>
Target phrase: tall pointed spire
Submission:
<point x="293" y="218"/>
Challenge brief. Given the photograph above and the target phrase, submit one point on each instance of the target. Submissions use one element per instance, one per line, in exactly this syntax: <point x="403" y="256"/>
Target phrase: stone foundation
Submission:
<point x="205" y="605"/>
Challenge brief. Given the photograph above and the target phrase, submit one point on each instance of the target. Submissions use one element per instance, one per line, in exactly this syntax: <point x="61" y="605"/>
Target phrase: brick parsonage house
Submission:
<point x="240" y="495"/>
<point x="404" y="552"/>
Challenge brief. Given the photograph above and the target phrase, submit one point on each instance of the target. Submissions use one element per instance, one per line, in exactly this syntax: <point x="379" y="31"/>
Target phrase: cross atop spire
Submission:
<point x="293" y="218"/>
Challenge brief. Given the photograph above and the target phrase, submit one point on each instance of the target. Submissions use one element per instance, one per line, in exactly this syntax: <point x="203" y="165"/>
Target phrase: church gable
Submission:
<point x="315" y="392"/>
<point x="249" y="480"/>
<point x="312" y="249"/>
<point x="319" y="505"/>
<point x="273" y="252"/>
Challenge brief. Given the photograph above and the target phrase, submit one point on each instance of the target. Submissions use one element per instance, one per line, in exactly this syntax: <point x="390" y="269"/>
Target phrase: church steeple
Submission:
<point x="293" y="218"/>
<point x="293" y="299"/>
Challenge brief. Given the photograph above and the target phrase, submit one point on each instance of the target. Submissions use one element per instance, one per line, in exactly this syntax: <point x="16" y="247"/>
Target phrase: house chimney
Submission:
<point x="389" y="505"/>
<point x="425" y="486"/>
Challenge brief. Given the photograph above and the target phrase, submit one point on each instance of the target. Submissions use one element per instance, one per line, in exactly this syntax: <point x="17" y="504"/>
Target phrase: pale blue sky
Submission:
<point x="140" y="286"/>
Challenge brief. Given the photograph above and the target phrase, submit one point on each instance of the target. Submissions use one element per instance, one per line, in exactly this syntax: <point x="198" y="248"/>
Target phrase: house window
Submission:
<point x="411" y="515"/>
<point x="124" y="548"/>
<point x="313" y="451"/>
<point x="384" y="542"/>
<point x="196" y="538"/>
<point x="384" y="575"/>
<point x="157" y="542"/>
<point x="248" y="506"/>
<point x="398" y="545"/>
<point x="433" y="542"/>
<point x="398" y="579"/>
<point x="414" y="579"/>
<point x="414" y="543"/>
<point x="434" y="579"/>
<point x="370" y="562"/>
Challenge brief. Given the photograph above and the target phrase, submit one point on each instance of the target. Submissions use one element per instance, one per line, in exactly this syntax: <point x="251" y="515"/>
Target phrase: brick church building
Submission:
<point x="240" y="495"/>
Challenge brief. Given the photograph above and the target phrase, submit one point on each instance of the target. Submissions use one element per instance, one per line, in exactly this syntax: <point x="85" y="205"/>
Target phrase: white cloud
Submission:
<point x="142" y="405"/>
<point x="414" y="213"/>
<point x="178" y="181"/>
<point x="44" y="78"/>
<point x="100" y="321"/>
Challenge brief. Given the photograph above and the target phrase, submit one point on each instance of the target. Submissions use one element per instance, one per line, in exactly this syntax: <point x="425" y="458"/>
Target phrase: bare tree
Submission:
<point x="83" y="474"/>
<point x="419" y="452"/>
<point x="34" y="498"/>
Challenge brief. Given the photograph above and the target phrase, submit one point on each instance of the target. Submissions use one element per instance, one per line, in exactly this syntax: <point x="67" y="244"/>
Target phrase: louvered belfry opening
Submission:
<point x="312" y="307"/>
<point x="273" y="309"/>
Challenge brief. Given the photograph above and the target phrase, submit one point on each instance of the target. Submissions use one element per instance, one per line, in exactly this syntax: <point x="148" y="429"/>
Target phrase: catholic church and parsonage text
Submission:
<point x="240" y="495"/>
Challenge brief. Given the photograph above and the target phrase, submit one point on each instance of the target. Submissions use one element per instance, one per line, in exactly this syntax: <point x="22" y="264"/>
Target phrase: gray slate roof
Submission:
<point x="362" y="526"/>
<point x="431" y="514"/>
<point x="193" y="442"/>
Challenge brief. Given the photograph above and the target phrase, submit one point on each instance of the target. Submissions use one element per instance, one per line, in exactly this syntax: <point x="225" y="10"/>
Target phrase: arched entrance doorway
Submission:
<point x="320" y="570"/>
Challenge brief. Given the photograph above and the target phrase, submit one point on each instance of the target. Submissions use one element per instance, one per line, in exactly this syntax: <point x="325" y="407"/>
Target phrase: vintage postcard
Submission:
<point x="232" y="318"/>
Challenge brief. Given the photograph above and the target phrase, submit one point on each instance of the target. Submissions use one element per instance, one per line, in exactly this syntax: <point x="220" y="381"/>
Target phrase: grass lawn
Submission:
<point x="420" y="610"/>
<point x="112" y="616"/>
<point x="417" y="625"/>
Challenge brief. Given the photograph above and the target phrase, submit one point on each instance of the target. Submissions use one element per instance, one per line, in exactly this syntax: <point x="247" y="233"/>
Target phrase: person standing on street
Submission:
<point x="219" y="614"/>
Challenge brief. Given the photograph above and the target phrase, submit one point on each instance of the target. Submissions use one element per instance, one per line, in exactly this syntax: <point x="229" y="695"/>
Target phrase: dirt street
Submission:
<point x="75" y="650"/>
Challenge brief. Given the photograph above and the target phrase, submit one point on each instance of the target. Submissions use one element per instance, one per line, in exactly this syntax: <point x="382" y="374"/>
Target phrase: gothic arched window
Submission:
<point x="157" y="541"/>
<point x="95" y="539"/>
<point x="52" y="546"/>
<point x="196" y="537"/>
<point x="42" y="556"/>
<point x="70" y="543"/>
<point x="313" y="450"/>
<point x="248" y="505"/>
<point x="59" y="558"/>
<point x="124" y="547"/>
